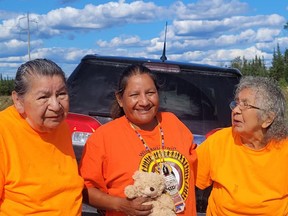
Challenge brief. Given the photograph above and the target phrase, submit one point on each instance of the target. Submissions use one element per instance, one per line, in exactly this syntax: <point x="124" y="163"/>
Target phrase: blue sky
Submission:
<point x="205" y="31"/>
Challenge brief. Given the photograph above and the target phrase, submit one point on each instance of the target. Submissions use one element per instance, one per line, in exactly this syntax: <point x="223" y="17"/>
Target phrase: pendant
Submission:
<point x="171" y="184"/>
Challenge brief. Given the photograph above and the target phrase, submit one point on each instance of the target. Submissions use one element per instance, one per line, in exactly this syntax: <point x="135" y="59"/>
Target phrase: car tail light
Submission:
<point x="81" y="127"/>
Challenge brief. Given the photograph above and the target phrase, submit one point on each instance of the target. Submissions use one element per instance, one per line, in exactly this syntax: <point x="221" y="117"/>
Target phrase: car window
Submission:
<point x="200" y="99"/>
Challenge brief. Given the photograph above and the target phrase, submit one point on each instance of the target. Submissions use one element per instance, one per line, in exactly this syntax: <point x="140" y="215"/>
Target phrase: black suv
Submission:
<point x="198" y="94"/>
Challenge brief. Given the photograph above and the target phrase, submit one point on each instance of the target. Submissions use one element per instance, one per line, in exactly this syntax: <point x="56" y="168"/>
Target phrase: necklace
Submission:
<point x="146" y="145"/>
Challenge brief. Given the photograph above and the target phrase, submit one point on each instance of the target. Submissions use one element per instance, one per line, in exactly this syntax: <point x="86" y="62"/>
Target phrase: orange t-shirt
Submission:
<point x="246" y="181"/>
<point x="114" y="152"/>
<point x="38" y="171"/>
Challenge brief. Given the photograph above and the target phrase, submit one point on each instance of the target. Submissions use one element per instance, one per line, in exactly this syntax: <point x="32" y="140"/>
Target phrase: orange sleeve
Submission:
<point x="203" y="179"/>
<point x="1" y="168"/>
<point x="91" y="165"/>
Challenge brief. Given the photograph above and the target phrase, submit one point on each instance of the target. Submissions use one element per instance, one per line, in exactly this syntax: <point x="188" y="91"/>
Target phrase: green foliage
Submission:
<point x="256" y="66"/>
<point x="6" y="85"/>
<point x="278" y="66"/>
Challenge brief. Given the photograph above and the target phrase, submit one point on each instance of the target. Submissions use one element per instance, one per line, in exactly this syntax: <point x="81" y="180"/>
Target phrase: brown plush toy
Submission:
<point x="152" y="185"/>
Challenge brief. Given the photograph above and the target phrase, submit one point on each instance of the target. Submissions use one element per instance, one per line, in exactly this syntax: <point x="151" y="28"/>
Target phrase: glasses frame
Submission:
<point x="233" y="104"/>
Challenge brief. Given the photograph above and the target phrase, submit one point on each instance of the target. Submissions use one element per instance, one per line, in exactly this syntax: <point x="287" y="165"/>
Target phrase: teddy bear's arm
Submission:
<point x="130" y="192"/>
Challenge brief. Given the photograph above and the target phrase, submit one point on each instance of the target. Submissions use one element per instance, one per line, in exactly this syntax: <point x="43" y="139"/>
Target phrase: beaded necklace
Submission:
<point x="146" y="145"/>
<point x="171" y="182"/>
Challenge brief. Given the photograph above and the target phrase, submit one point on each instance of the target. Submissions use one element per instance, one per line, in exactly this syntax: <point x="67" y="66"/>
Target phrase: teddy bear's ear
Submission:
<point x="137" y="175"/>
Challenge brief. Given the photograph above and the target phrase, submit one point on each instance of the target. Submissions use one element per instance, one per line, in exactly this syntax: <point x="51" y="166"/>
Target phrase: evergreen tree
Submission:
<point x="286" y="65"/>
<point x="254" y="67"/>
<point x="278" y="68"/>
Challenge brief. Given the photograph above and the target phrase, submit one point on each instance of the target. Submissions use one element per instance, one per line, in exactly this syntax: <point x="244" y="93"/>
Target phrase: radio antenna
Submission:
<point x="163" y="57"/>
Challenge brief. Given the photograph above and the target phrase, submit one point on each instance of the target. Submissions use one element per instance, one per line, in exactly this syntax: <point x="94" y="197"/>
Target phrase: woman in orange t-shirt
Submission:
<point x="139" y="138"/>
<point x="38" y="169"/>
<point x="247" y="163"/>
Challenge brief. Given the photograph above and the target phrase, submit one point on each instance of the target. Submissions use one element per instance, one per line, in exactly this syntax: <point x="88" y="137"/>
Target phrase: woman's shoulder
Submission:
<point x="169" y="119"/>
<point x="220" y="132"/>
<point x="167" y="115"/>
<point x="115" y="124"/>
<point x="8" y="116"/>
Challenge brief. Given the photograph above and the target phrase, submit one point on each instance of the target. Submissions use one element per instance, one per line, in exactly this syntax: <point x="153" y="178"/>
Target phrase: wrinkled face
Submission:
<point x="46" y="103"/>
<point x="140" y="100"/>
<point x="246" y="122"/>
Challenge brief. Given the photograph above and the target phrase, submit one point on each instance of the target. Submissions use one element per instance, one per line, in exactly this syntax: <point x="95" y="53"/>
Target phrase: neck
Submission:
<point x="148" y="127"/>
<point x="253" y="143"/>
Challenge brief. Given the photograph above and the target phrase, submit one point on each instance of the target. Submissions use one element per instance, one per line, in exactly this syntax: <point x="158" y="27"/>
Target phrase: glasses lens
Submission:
<point x="232" y="105"/>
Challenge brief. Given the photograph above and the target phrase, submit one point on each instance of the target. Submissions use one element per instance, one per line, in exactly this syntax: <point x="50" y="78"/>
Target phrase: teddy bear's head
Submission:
<point x="146" y="185"/>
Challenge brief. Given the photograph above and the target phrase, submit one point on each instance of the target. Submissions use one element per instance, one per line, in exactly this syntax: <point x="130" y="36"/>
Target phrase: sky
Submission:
<point x="205" y="31"/>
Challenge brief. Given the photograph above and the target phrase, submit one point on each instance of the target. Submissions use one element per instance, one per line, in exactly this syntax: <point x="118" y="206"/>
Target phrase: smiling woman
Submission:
<point x="139" y="138"/>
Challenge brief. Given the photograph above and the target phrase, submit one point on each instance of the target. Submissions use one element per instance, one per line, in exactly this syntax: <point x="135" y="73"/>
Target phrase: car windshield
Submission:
<point x="199" y="98"/>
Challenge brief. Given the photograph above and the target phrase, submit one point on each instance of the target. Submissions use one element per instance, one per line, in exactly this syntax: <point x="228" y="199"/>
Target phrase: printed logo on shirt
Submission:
<point x="177" y="161"/>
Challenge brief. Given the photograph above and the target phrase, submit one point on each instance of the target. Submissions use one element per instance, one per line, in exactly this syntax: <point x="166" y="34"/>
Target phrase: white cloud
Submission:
<point x="122" y="40"/>
<point x="99" y="16"/>
<point x="212" y="9"/>
<point x="207" y="31"/>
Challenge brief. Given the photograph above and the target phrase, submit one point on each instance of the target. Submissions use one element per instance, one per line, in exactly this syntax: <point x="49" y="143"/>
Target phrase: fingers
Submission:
<point x="140" y="207"/>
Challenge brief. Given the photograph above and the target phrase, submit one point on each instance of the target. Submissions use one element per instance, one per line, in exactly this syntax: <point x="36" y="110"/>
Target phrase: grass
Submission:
<point x="5" y="101"/>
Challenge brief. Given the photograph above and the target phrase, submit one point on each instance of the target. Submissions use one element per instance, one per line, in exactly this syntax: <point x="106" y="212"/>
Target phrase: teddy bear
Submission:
<point x="151" y="185"/>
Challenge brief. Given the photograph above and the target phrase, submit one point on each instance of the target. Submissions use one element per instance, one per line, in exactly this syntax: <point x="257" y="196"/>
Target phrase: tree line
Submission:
<point x="257" y="67"/>
<point x="6" y="85"/>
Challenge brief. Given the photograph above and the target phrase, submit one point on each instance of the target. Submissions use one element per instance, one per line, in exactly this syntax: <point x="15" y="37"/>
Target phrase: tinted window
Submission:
<point x="200" y="99"/>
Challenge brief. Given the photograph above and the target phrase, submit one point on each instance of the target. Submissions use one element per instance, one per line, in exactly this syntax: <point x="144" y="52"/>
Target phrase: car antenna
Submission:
<point x="163" y="57"/>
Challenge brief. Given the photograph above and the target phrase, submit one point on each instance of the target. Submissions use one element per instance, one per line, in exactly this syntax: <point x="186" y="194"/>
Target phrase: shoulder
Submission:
<point x="171" y="122"/>
<point x="116" y="123"/>
<point x="8" y="116"/>
<point x="221" y="132"/>
<point x="168" y="116"/>
<point x="114" y="126"/>
<point x="218" y="139"/>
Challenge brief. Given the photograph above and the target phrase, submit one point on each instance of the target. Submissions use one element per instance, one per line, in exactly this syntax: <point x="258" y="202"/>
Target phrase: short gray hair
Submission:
<point x="42" y="67"/>
<point x="270" y="98"/>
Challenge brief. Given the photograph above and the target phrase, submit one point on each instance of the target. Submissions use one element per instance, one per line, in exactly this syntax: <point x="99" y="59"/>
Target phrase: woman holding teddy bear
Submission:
<point x="139" y="138"/>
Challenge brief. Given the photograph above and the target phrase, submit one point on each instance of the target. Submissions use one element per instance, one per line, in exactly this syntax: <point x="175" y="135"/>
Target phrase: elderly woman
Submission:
<point x="38" y="169"/>
<point x="247" y="163"/>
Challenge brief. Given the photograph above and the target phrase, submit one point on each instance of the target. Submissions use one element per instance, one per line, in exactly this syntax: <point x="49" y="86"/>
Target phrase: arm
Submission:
<point x="96" y="193"/>
<point x="101" y="200"/>
<point x="1" y="169"/>
<point x="203" y="179"/>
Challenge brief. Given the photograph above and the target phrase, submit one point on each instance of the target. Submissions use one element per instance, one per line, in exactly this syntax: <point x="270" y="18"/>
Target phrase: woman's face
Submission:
<point x="46" y="103"/>
<point x="246" y="122"/>
<point x="140" y="100"/>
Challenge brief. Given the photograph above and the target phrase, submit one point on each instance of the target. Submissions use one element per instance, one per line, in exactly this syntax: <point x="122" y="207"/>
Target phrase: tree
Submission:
<point x="254" y="67"/>
<point x="278" y="66"/>
<point x="6" y="86"/>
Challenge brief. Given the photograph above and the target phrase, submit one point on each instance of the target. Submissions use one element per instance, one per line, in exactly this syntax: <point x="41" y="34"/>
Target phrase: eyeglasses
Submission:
<point x="242" y="105"/>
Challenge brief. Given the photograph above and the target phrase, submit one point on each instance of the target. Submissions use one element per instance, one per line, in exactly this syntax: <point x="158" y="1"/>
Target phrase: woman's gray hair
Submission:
<point x="36" y="67"/>
<point x="270" y="99"/>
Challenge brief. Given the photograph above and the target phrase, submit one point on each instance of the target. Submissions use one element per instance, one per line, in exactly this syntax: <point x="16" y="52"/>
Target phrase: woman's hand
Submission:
<point x="136" y="207"/>
<point x="104" y="201"/>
